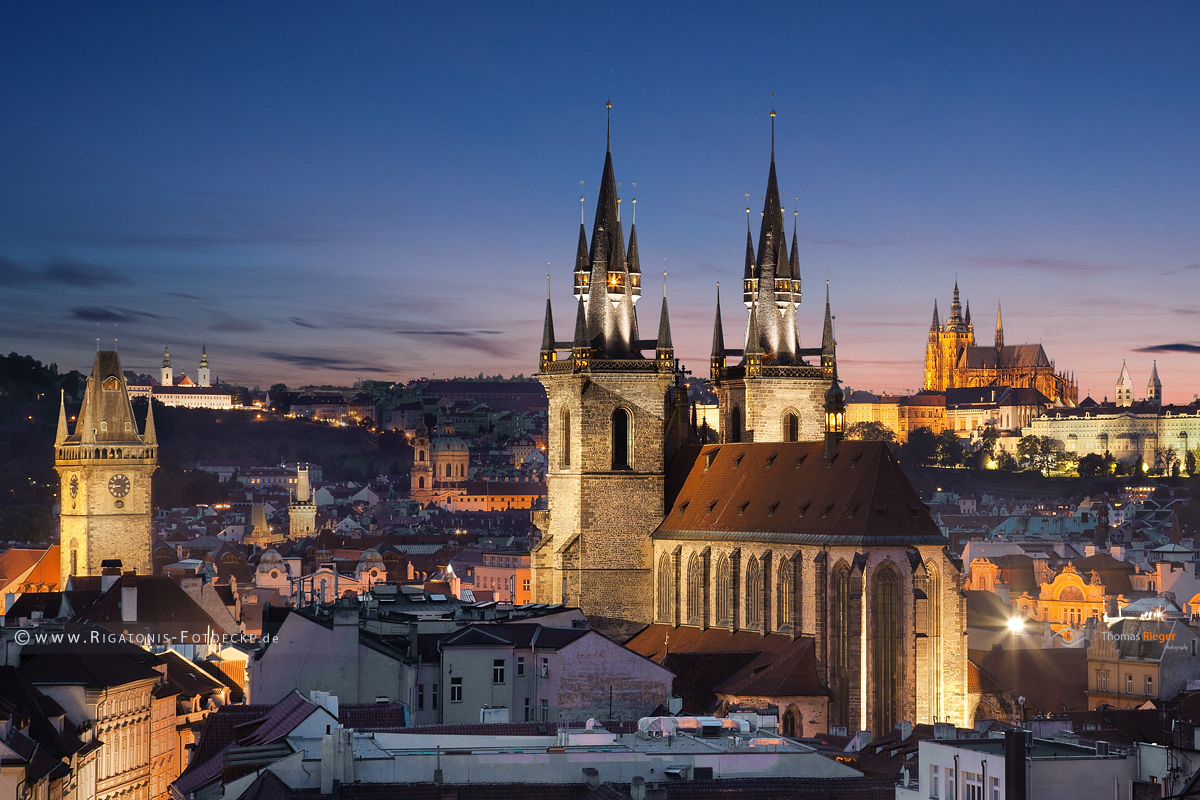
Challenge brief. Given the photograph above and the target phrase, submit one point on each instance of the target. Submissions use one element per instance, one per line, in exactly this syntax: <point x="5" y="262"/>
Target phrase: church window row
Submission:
<point x="789" y="425"/>
<point x="742" y="591"/>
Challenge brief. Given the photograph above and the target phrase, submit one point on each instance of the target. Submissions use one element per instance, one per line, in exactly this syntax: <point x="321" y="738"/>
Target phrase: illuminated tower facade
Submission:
<point x="617" y="416"/>
<point x="104" y="468"/>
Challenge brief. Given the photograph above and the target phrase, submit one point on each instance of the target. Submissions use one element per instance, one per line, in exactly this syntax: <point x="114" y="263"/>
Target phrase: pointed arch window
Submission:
<point x="791" y="427"/>
<point x="622" y="439"/>
<point x="735" y="425"/>
<point x="724" y="610"/>
<point x="886" y="638"/>
<point x="754" y="593"/>
<point x="695" y="591"/>
<point x="840" y="655"/>
<point x="565" y="456"/>
<point x="665" y="588"/>
<point x="785" y="597"/>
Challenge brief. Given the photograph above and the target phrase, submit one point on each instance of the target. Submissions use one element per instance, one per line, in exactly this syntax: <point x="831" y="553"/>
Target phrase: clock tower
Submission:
<point x="104" y="468"/>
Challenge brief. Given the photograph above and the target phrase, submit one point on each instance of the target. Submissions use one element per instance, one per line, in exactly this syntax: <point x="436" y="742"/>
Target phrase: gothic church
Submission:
<point x="781" y="529"/>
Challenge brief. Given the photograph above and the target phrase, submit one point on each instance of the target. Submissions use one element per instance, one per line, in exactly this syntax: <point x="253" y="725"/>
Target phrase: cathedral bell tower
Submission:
<point x="774" y="394"/>
<point x="616" y="419"/>
<point x="104" y="467"/>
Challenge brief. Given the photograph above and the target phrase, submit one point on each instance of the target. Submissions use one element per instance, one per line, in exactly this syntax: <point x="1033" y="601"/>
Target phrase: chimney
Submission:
<point x="905" y="729"/>
<point x="637" y="788"/>
<point x="110" y="571"/>
<point x="191" y="583"/>
<point x="1016" y="760"/>
<point x="591" y="777"/>
<point x="129" y="597"/>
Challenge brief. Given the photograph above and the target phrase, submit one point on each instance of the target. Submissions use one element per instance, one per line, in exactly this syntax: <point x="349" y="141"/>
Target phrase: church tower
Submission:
<point x="421" y="474"/>
<point x="1124" y="388"/>
<point x="104" y="467"/>
<point x="302" y="512"/>
<point x="202" y="374"/>
<point x="616" y="419"/>
<point x="774" y="394"/>
<point x="1154" y="387"/>
<point x="167" y="378"/>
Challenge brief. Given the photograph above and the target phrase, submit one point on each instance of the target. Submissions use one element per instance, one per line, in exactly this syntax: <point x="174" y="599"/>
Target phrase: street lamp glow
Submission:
<point x="1016" y="625"/>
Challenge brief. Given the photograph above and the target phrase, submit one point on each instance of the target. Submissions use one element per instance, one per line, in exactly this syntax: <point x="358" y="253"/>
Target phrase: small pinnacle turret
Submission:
<point x="999" y="329"/>
<point x="63" y="433"/>
<point x="664" y="350"/>
<point x="936" y="324"/>
<point x="149" y="434"/>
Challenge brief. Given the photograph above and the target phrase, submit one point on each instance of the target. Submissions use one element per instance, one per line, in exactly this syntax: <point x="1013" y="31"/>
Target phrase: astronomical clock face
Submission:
<point x="118" y="486"/>
<point x="74" y="485"/>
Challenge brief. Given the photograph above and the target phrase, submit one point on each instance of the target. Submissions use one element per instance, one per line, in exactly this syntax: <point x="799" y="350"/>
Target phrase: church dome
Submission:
<point x="448" y="444"/>
<point x="270" y="560"/>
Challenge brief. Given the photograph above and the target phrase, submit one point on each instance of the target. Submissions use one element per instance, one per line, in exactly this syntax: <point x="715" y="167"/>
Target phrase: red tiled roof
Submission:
<point x="1051" y="680"/>
<point x="787" y="492"/>
<point x="706" y="662"/>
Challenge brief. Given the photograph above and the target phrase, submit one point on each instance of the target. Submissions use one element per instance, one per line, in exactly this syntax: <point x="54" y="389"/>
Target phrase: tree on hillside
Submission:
<point x="949" y="449"/>
<point x="1094" y="465"/>
<point x="871" y="432"/>
<point x="1038" y="452"/>
<point x="921" y="448"/>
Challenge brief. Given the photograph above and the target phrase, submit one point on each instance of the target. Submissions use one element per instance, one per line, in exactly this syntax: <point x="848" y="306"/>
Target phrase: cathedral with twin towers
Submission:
<point x="781" y="528"/>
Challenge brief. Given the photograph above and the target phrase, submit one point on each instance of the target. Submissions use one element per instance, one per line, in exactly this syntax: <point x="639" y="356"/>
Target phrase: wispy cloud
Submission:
<point x="102" y="314"/>
<point x="470" y="340"/>
<point x="322" y="362"/>
<point x="59" y="272"/>
<point x="302" y="323"/>
<point x="1180" y="347"/>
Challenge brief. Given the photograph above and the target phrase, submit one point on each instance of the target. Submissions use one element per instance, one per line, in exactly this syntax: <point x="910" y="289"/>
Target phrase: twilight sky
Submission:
<point x="325" y="192"/>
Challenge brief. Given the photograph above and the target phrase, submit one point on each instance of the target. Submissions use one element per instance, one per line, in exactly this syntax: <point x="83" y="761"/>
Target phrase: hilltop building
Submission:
<point x="953" y="361"/>
<point x="782" y="528"/>
<point x="185" y="392"/>
<point x="104" y="467"/>
<point x="1128" y="429"/>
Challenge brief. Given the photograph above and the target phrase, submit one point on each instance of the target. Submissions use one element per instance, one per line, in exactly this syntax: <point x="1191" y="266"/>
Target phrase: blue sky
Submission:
<point x="325" y="192"/>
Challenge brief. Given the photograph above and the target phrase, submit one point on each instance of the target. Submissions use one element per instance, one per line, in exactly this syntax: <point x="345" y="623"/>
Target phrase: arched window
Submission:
<point x="420" y="455"/>
<point x="886" y="637"/>
<point x="420" y="483"/>
<point x="840" y="707"/>
<point x="791" y="427"/>
<point x="565" y="456"/>
<point x="449" y="474"/>
<point x="735" y="425"/>
<point x="724" y="610"/>
<point x="754" y="593"/>
<point x="933" y="632"/>
<point x="695" y="591"/>
<point x="665" y="589"/>
<point x="785" y="596"/>
<point x="622" y="439"/>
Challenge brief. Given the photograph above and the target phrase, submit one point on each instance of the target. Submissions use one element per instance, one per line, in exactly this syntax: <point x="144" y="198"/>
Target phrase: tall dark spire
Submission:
<point x="548" y="329"/>
<point x="968" y="315"/>
<point x="794" y="259"/>
<point x="999" y="329"/>
<point x="718" y="344"/>
<point x="580" y="341"/>
<point x="936" y="324"/>
<point x="827" y="342"/>
<point x="664" y="328"/>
